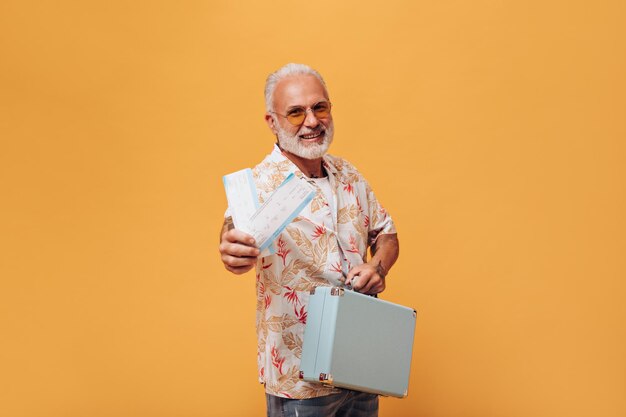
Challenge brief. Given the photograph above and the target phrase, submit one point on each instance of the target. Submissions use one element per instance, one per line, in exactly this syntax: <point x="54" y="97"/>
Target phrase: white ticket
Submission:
<point x="270" y="219"/>
<point x="242" y="197"/>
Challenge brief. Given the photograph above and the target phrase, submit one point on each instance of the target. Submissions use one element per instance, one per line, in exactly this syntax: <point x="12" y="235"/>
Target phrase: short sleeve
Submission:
<point x="380" y="221"/>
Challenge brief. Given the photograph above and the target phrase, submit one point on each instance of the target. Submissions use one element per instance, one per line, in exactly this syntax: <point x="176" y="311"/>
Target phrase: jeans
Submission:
<point x="347" y="403"/>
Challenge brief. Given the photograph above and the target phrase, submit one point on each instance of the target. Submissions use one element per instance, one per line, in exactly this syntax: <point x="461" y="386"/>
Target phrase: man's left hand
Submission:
<point x="366" y="278"/>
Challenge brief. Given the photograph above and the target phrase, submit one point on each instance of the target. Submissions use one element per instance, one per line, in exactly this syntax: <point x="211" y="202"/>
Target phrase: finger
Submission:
<point x="354" y="280"/>
<point x="238" y="270"/>
<point x="237" y="249"/>
<point x="354" y="272"/>
<point x="377" y="287"/>
<point x="235" y="261"/>
<point x="361" y="280"/>
<point x="237" y="236"/>
<point x="367" y="286"/>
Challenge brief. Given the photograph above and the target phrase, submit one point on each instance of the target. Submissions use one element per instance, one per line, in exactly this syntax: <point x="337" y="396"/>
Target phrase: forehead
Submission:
<point x="298" y="90"/>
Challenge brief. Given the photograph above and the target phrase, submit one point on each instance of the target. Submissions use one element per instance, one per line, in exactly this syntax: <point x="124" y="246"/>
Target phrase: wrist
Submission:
<point x="380" y="269"/>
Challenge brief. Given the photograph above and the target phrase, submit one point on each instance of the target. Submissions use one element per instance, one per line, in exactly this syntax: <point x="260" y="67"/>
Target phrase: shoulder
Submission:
<point x="340" y="164"/>
<point x="271" y="163"/>
<point x="271" y="172"/>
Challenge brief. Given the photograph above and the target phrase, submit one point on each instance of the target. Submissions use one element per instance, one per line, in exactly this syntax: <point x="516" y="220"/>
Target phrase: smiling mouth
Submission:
<point x="311" y="136"/>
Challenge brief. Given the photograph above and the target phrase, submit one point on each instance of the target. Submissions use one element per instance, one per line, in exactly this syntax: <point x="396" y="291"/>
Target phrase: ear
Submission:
<point x="271" y="122"/>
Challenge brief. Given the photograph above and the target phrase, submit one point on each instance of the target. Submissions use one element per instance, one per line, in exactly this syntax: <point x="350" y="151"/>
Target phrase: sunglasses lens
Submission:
<point x="321" y="110"/>
<point x="296" y="116"/>
<point x="296" y="120"/>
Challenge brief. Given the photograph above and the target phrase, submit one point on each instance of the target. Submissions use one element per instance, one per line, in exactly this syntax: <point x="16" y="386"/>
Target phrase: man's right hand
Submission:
<point x="238" y="251"/>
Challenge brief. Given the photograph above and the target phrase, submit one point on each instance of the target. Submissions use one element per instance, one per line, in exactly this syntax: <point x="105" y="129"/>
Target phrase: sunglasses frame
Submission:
<point x="286" y="116"/>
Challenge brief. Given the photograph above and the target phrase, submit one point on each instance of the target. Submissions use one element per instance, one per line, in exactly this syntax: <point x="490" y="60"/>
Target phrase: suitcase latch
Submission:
<point x="337" y="291"/>
<point x="326" y="378"/>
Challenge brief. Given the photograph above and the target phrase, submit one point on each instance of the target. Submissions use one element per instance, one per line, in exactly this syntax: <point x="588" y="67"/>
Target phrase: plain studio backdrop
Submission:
<point x="493" y="132"/>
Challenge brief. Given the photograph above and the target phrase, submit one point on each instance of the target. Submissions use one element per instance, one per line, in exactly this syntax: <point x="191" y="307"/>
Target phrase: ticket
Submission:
<point x="267" y="221"/>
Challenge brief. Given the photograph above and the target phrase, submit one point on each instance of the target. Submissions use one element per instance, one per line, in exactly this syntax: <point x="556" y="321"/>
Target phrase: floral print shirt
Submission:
<point x="312" y="251"/>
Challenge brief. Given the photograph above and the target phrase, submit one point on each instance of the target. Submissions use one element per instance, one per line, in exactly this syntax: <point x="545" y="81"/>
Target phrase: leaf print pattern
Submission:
<point x="319" y="231"/>
<point x="300" y="314"/>
<point x="293" y="343"/>
<point x="305" y="245"/>
<point x="353" y="247"/>
<point x="292" y="296"/>
<point x="282" y="249"/>
<point x="307" y="256"/>
<point x="306" y="284"/>
<point x="291" y="271"/>
<point x="317" y="203"/>
<point x="347" y="214"/>
<point x="277" y="360"/>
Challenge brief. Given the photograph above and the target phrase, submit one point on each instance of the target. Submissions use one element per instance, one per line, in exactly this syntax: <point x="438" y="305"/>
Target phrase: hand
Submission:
<point x="367" y="278"/>
<point x="238" y="251"/>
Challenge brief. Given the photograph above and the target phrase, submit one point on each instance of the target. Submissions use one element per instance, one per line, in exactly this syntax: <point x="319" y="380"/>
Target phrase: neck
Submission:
<point x="311" y="168"/>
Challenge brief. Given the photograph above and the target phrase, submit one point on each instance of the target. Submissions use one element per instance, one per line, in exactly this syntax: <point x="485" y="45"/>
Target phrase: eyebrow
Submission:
<point x="298" y="106"/>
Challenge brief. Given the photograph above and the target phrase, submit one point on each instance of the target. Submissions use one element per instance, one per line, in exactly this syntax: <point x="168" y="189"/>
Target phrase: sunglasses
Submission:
<point x="297" y="115"/>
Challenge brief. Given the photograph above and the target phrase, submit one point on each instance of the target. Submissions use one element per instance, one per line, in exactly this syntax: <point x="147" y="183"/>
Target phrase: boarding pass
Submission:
<point x="265" y="221"/>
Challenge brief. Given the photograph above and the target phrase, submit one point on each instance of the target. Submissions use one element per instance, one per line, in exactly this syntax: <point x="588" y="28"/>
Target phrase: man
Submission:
<point x="325" y="245"/>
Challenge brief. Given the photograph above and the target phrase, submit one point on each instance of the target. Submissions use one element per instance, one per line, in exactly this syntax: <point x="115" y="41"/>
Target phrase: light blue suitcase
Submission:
<point x="357" y="342"/>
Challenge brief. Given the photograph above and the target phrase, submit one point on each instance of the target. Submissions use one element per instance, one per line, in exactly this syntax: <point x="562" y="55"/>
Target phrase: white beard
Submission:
<point x="291" y="143"/>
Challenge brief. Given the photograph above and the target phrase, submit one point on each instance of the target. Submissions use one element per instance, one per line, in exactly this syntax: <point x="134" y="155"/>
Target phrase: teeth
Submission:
<point x="311" y="136"/>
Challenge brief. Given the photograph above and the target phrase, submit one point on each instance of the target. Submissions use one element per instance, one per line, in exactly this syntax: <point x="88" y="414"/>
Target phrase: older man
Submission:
<point x="325" y="245"/>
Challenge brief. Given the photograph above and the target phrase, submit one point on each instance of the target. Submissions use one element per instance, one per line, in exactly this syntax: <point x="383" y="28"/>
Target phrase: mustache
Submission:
<point x="307" y="131"/>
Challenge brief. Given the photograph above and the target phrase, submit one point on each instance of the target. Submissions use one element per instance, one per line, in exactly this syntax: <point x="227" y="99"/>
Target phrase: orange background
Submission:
<point x="493" y="132"/>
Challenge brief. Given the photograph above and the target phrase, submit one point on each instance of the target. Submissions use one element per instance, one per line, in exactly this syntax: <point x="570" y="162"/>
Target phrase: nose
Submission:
<point x="310" y="120"/>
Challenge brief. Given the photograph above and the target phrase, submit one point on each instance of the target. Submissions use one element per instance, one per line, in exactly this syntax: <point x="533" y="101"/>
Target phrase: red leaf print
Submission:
<point x="349" y="263"/>
<point x="358" y="204"/>
<point x="277" y="360"/>
<point x="282" y="249"/>
<point x="336" y="267"/>
<point x="291" y="296"/>
<point x="319" y="231"/>
<point x="300" y="314"/>
<point x="366" y="222"/>
<point x="347" y="186"/>
<point x="353" y="247"/>
<point x="268" y="300"/>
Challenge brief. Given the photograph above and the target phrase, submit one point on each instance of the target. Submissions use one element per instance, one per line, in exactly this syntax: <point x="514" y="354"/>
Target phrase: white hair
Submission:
<point x="283" y="72"/>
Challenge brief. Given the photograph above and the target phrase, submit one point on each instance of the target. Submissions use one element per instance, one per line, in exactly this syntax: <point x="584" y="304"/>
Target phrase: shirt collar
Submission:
<point x="278" y="156"/>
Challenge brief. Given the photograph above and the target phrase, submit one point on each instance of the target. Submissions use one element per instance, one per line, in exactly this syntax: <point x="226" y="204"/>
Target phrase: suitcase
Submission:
<point x="356" y="341"/>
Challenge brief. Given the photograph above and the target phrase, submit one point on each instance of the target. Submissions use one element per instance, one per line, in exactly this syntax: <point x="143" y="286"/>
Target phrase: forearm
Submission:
<point x="385" y="252"/>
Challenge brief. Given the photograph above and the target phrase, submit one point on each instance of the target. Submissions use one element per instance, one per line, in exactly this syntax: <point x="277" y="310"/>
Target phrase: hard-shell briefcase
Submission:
<point x="359" y="342"/>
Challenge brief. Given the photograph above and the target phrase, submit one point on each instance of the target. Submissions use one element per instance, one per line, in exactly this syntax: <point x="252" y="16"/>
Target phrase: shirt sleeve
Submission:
<point x="380" y="221"/>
